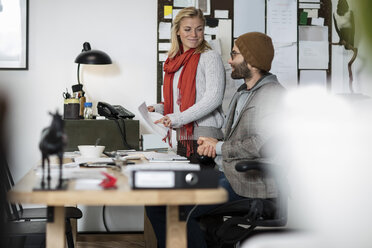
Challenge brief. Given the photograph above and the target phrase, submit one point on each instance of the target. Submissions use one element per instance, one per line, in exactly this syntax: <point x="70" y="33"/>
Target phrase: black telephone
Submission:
<point x="113" y="111"/>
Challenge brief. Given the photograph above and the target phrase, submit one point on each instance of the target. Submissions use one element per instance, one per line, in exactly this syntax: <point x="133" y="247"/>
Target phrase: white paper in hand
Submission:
<point x="150" y="117"/>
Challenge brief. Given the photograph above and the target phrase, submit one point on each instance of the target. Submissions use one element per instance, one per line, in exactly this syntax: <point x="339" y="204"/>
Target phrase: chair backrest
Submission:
<point x="11" y="210"/>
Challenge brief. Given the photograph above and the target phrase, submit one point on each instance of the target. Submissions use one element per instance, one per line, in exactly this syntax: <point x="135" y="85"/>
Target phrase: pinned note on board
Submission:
<point x="168" y="11"/>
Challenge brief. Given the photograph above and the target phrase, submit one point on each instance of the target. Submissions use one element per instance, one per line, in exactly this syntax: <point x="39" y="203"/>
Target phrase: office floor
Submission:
<point x="110" y="241"/>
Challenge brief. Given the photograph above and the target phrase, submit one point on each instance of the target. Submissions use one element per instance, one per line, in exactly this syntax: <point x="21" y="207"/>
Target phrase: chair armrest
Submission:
<point x="245" y="166"/>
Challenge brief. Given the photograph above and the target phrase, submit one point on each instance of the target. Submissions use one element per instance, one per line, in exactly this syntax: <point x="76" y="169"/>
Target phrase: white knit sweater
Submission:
<point x="207" y="111"/>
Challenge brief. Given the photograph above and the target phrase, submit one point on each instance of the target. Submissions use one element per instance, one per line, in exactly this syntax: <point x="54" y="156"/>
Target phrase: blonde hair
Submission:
<point x="188" y="12"/>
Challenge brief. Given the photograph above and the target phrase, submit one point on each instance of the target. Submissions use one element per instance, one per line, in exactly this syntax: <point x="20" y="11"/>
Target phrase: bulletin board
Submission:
<point x="315" y="15"/>
<point x="219" y="15"/>
<point x="296" y="62"/>
<point x="301" y="31"/>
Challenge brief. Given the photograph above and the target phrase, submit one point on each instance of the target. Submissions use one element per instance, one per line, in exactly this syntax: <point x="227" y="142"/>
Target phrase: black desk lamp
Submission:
<point x="92" y="57"/>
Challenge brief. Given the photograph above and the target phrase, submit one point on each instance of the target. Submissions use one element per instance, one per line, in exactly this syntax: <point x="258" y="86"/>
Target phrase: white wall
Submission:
<point x="57" y="30"/>
<point x="126" y="30"/>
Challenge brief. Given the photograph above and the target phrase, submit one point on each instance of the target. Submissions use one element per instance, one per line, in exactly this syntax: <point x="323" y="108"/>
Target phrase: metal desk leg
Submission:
<point x="55" y="233"/>
<point x="176" y="229"/>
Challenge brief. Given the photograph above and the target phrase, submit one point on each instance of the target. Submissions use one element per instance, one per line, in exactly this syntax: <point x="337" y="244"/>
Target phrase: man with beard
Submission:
<point x="247" y="124"/>
<point x="250" y="122"/>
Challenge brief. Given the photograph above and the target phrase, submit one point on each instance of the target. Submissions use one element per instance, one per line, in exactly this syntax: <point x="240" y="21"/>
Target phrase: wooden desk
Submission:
<point x="123" y="195"/>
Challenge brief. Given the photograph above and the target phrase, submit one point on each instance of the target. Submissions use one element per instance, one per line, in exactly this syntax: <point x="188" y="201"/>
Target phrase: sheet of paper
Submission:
<point x="313" y="78"/>
<point x="80" y="160"/>
<point x="208" y="37"/>
<point x="175" y="12"/>
<point x="88" y="184"/>
<point x="150" y="117"/>
<point x="204" y="5"/>
<point x="313" y="55"/>
<point x="313" y="47"/>
<point x="313" y="33"/>
<point x="75" y="173"/>
<point x="164" y="157"/>
<point x="221" y="14"/>
<point x="309" y="5"/>
<point x="163" y="57"/>
<point x="311" y="13"/>
<point x="165" y="30"/>
<point x="282" y="20"/>
<point x="210" y="31"/>
<point x="183" y="3"/>
<point x="168" y="11"/>
<point x="249" y="16"/>
<point x="224" y="36"/>
<point x="164" y="46"/>
<point x="153" y="141"/>
<point x="216" y="45"/>
<point x="310" y="1"/>
<point x="317" y="21"/>
<point x="284" y="65"/>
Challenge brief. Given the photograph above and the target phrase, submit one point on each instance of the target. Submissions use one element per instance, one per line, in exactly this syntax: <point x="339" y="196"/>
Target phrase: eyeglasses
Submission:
<point x="233" y="54"/>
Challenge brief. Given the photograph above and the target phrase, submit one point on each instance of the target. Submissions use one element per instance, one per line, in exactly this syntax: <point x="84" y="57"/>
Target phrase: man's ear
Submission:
<point x="252" y="68"/>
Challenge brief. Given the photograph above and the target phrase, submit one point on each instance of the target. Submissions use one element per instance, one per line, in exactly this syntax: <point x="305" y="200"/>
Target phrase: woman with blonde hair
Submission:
<point x="194" y="84"/>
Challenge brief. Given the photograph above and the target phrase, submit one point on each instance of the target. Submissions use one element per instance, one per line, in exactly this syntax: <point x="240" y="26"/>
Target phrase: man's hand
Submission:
<point x="207" y="146"/>
<point x="166" y="121"/>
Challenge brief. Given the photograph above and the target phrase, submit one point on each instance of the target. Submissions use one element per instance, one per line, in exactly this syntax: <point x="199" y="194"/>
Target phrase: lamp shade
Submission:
<point x="93" y="57"/>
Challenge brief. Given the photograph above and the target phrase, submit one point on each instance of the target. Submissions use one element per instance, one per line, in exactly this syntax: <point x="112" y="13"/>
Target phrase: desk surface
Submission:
<point x="123" y="195"/>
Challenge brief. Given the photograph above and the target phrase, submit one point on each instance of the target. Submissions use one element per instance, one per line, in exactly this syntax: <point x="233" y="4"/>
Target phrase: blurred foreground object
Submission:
<point x="53" y="141"/>
<point x="328" y="147"/>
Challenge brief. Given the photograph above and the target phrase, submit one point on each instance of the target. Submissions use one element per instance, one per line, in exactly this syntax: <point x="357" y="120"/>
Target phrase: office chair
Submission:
<point x="233" y="222"/>
<point x="28" y="222"/>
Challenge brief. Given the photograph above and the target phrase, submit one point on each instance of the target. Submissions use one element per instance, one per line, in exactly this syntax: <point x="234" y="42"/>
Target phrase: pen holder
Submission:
<point x="71" y="109"/>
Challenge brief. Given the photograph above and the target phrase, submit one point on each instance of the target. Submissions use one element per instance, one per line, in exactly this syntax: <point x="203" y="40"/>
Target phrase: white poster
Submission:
<point x="313" y="47"/>
<point x="282" y="20"/>
<point x="224" y="35"/>
<point x="249" y="16"/>
<point x="165" y="30"/>
<point x="284" y="65"/>
<point x="183" y="3"/>
<point x="313" y="78"/>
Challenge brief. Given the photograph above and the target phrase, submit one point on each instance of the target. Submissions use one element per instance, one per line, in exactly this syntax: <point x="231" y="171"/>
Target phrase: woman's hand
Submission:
<point x="150" y="109"/>
<point x="166" y="121"/>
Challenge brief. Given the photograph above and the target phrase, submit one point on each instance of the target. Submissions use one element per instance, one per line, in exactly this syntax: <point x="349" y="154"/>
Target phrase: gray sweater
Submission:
<point x="206" y="113"/>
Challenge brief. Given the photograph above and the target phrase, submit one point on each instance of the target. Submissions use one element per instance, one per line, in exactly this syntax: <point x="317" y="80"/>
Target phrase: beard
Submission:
<point x="241" y="71"/>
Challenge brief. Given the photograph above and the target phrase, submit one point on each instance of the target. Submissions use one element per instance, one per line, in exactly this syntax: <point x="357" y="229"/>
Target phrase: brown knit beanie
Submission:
<point x="257" y="49"/>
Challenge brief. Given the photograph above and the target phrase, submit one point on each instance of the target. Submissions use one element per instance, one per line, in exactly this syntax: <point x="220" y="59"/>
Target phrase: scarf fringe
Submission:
<point x="186" y="138"/>
<point x="168" y="137"/>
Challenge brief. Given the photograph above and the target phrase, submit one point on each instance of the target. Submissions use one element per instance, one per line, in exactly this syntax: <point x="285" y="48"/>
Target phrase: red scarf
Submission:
<point x="186" y="88"/>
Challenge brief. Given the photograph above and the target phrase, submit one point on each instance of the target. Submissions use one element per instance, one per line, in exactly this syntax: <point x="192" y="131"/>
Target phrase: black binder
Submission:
<point x="174" y="179"/>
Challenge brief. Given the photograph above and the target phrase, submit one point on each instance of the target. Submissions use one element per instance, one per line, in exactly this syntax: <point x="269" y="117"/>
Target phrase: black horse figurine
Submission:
<point x="53" y="140"/>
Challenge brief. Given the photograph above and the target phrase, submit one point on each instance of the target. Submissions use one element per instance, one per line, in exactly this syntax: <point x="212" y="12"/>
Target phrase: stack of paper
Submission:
<point x="164" y="157"/>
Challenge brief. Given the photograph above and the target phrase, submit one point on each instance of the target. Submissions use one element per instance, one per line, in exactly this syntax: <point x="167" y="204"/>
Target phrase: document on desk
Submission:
<point x="73" y="173"/>
<point x="150" y="118"/>
<point x="157" y="157"/>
